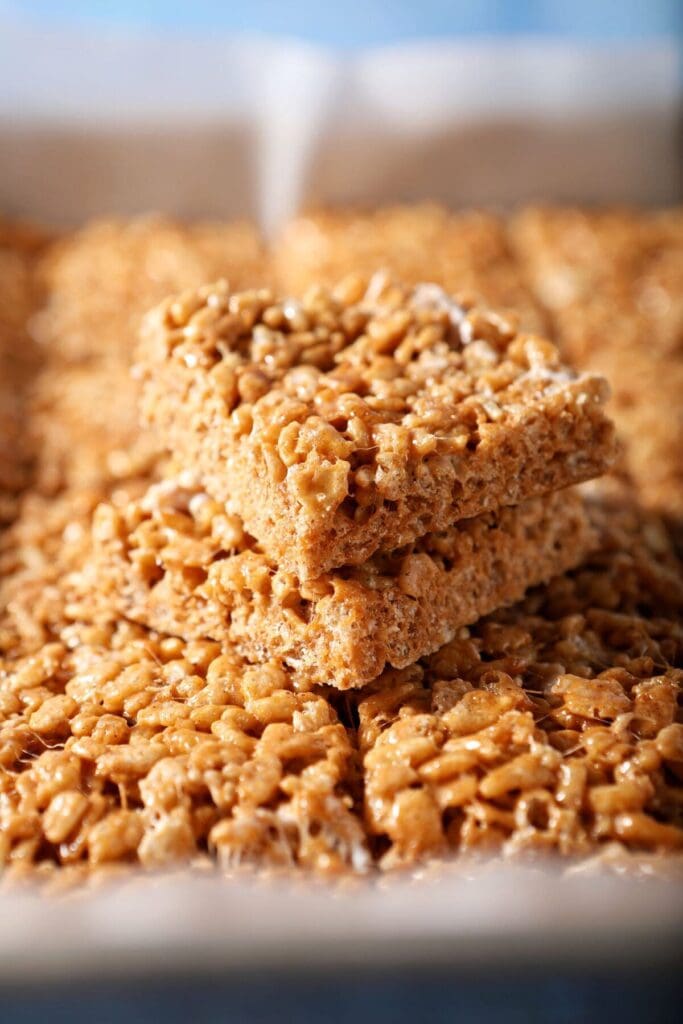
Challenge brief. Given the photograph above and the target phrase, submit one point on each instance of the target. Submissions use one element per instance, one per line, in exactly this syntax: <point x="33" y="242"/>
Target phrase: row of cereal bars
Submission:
<point x="261" y="554"/>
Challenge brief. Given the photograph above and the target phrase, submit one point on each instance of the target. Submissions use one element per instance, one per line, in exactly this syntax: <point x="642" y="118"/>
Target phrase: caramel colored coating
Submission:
<point x="120" y="746"/>
<point x="173" y="560"/>
<point x="357" y="421"/>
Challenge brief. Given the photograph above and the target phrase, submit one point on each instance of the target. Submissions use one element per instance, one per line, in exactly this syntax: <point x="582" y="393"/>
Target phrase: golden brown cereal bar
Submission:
<point x="554" y="727"/>
<point x="465" y="252"/>
<point x="84" y="427"/>
<point x="84" y="422"/>
<point x="174" y="560"/>
<point x="18" y="298"/>
<point x="101" y="279"/>
<point x="612" y="281"/>
<point x="349" y="423"/>
<point x="121" y="746"/>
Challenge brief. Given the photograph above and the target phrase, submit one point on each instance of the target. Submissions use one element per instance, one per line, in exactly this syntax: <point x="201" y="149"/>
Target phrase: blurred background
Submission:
<point x="258" y="108"/>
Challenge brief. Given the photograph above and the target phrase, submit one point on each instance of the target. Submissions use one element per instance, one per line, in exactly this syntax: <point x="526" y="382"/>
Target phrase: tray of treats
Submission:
<point x="341" y="588"/>
<point x="484" y="656"/>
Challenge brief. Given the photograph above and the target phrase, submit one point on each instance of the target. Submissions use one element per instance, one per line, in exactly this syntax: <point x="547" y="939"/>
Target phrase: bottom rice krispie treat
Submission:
<point x="119" y="745"/>
<point x="173" y="560"/>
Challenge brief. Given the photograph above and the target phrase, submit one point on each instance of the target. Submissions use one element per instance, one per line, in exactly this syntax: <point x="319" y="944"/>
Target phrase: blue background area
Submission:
<point x="370" y="22"/>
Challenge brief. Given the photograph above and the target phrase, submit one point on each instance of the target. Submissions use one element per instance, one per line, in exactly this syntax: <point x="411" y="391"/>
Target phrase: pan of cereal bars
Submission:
<point x="341" y="559"/>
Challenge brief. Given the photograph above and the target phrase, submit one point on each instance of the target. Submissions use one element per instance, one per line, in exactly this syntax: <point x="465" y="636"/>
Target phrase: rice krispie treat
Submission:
<point x="554" y="727"/>
<point x="613" y="284"/>
<point x="174" y="560"/>
<point x="84" y="427"/>
<point x="101" y="279"/>
<point x="43" y="555"/>
<point x="18" y="297"/>
<point x="462" y="252"/>
<point x="358" y="420"/>
<point x="121" y="746"/>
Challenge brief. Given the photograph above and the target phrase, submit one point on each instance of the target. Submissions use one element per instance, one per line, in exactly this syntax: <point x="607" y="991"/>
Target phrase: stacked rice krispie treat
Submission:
<point x="342" y="602"/>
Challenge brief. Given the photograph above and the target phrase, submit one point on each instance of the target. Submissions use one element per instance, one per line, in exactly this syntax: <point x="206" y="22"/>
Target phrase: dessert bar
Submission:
<point x="465" y="252"/>
<point x="174" y="560"/>
<point x="121" y="746"/>
<point x="553" y="727"/>
<point x="350" y="423"/>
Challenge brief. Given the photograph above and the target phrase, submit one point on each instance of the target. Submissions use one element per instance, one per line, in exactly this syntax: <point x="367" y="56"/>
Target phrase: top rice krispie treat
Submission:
<point x="358" y="420"/>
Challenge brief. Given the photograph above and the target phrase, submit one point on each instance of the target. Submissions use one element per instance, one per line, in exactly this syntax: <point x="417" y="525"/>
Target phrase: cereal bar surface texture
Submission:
<point x="174" y="560"/>
<point x="358" y="420"/>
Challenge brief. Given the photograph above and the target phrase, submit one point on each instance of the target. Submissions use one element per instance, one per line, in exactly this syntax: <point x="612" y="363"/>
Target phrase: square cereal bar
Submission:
<point x="174" y="560"/>
<point x="101" y="279"/>
<point x="120" y="746"/>
<point x="464" y="252"/>
<point x="612" y="281"/>
<point x="352" y="422"/>
<point x="553" y="727"/>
